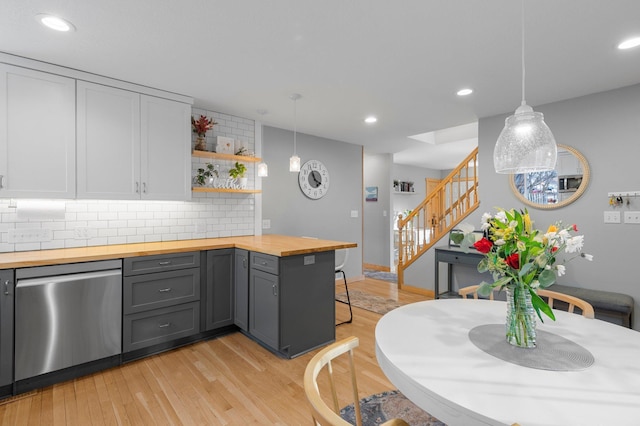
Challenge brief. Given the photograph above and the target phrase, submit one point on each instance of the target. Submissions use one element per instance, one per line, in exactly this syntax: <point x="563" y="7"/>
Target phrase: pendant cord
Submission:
<point x="295" y="123"/>
<point x="523" y="70"/>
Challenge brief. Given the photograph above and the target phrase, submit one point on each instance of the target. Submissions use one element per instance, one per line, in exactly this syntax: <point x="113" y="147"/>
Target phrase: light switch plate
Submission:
<point x="611" y="217"/>
<point x="266" y="223"/>
<point x="354" y="213"/>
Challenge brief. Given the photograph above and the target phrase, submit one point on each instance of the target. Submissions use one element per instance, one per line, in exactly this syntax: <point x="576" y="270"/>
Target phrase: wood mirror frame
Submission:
<point x="574" y="195"/>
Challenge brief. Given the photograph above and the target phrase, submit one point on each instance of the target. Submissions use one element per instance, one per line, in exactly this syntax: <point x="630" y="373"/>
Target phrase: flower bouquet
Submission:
<point x="522" y="259"/>
<point x="200" y="127"/>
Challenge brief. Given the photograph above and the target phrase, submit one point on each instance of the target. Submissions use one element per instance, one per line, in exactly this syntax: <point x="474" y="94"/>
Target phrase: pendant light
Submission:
<point x="525" y="144"/>
<point x="294" y="161"/>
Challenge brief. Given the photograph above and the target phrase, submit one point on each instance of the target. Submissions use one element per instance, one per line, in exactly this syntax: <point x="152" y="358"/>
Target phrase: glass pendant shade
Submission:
<point x="263" y="170"/>
<point x="525" y="144"/>
<point x="294" y="163"/>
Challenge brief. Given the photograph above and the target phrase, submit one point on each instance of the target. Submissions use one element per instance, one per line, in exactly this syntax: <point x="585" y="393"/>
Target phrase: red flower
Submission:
<point x="483" y="245"/>
<point x="575" y="227"/>
<point x="554" y="249"/>
<point x="513" y="260"/>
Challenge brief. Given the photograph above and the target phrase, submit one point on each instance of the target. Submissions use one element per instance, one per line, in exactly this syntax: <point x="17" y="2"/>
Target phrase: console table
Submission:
<point x="452" y="256"/>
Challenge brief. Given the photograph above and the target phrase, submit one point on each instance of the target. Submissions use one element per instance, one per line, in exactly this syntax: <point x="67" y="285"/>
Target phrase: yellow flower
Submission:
<point x="552" y="228"/>
<point x="527" y="223"/>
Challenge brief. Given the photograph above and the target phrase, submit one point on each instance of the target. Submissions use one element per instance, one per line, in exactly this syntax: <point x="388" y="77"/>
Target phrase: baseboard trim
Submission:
<point x="419" y="290"/>
<point x="376" y="267"/>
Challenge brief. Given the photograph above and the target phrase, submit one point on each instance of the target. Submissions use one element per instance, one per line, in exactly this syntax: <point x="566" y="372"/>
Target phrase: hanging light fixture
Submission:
<point x="294" y="161"/>
<point x="525" y="144"/>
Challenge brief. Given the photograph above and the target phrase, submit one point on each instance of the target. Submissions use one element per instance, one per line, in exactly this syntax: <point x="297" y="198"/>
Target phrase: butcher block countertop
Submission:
<point x="276" y="245"/>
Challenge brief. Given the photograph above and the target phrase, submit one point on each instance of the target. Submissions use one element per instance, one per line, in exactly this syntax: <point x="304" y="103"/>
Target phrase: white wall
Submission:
<point x="378" y="215"/>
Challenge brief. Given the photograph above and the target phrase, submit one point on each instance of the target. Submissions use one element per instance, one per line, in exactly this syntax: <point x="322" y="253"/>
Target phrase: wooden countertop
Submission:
<point x="277" y="245"/>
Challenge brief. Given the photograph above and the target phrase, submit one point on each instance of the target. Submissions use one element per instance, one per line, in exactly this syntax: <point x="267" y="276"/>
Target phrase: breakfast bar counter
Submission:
<point x="276" y="245"/>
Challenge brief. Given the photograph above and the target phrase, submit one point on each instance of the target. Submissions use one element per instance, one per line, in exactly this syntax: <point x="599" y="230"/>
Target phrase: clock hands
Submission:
<point x="313" y="175"/>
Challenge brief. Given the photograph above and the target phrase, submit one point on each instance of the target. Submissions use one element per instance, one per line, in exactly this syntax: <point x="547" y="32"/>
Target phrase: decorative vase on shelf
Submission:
<point x="201" y="144"/>
<point x="521" y="317"/>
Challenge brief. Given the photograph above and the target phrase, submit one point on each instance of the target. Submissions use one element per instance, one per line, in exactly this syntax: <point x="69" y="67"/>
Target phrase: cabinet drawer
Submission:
<point x="160" y="325"/>
<point x="264" y="262"/>
<point x="460" y="258"/>
<point x="151" y="291"/>
<point x="161" y="262"/>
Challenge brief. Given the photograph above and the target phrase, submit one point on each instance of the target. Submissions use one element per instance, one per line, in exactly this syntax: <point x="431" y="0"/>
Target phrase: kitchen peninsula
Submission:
<point x="278" y="290"/>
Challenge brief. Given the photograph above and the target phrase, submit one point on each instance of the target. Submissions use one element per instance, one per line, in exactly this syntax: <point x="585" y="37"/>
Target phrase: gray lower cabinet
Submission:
<point x="219" y="288"/>
<point x="241" y="289"/>
<point x="291" y="301"/>
<point x="161" y="299"/>
<point x="7" y="292"/>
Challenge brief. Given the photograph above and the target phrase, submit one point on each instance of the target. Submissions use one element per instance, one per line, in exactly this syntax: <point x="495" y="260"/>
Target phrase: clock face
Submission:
<point x="313" y="179"/>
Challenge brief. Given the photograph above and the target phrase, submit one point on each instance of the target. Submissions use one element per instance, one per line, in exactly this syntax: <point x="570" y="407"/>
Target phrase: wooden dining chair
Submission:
<point x="472" y="290"/>
<point x="585" y="307"/>
<point x="322" y="414"/>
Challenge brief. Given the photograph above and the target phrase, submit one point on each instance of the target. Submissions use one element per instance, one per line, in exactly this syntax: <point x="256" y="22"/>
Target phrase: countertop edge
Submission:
<point x="276" y="245"/>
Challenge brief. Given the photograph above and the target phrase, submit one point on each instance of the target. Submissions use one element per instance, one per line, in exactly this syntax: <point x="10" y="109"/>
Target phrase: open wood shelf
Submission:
<point x="230" y="157"/>
<point x="237" y="191"/>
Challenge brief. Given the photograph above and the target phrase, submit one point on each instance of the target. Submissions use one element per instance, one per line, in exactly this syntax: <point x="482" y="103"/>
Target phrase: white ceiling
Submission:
<point x="400" y="60"/>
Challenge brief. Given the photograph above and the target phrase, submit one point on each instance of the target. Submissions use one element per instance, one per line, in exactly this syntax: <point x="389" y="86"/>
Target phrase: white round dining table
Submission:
<point x="425" y="350"/>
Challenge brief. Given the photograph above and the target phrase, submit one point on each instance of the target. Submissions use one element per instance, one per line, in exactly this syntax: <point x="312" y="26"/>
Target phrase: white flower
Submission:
<point x="499" y="242"/>
<point x="486" y="217"/>
<point x="589" y="257"/>
<point x="485" y="226"/>
<point x="501" y="216"/>
<point x="575" y="244"/>
<point x="564" y="235"/>
<point x="561" y="270"/>
<point x="535" y="284"/>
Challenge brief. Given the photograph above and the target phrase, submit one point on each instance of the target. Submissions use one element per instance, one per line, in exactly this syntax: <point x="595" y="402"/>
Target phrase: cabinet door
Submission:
<point x="108" y="133"/>
<point x="166" y="149"/>
<point x="6" y="326"/>
<point x="38" y="137"/>
<point x="264" y="304"/>
<point x="219" y="310"/>
<point x="241" y="286"/>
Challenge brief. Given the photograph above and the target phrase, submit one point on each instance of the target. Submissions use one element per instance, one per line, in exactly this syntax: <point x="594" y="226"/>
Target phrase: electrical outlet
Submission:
<point x="84" y="233"/>
<point x="611" y="217"/>
<point x="632" y="217"/>
<point x="29" y="235"/>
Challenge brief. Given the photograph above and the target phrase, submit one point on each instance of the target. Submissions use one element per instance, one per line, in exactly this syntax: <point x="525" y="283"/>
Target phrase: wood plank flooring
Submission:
<point x="229" y="380"/>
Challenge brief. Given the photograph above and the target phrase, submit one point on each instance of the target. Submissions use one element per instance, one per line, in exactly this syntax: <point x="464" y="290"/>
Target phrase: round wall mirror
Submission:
<point x="556" y="188"/>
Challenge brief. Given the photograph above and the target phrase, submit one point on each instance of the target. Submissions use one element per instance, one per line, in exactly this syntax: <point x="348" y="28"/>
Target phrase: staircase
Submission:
<point x="446" y="206"/>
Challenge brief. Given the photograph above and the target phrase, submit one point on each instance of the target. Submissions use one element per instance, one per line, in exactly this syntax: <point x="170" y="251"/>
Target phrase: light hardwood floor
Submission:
<point x="229" y="380"/>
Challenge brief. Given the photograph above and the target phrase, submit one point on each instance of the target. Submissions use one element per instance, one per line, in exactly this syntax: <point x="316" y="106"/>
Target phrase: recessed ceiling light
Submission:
<point x="55" y="23"/>
<point x="629" y="43"/>
<point x="464" y="92"/>
<point x="370" y="120"/>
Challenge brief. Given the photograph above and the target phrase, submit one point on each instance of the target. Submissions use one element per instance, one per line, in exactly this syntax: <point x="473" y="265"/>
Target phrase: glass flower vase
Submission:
<point x="521" y="318"/>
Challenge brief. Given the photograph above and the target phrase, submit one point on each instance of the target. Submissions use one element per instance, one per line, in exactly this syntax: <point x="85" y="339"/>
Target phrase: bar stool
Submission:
<point x="341" y="259"/>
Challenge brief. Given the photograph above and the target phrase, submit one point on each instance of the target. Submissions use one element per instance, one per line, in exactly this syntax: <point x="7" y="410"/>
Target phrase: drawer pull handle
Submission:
<point x="165" y="325"/>
<point x="264" y="263"/>
<point x="164" y="290"/>
<point x="274" y="288"/>
<point x="168" y="262"/>
<point x="6" y="287"/>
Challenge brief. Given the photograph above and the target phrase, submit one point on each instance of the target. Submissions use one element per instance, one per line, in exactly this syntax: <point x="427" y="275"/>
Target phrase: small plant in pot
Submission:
<point x="237" y="172"/>
<point x="206" y="175"/>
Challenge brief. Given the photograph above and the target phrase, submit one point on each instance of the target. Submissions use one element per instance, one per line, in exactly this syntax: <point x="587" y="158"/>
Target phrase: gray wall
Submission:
<point x="378" y="214"/>
<point x="605" y="128"/>
<point x="292" y="213"/>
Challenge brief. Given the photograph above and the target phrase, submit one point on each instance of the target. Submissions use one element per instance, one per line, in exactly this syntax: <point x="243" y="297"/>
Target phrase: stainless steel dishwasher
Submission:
<point x="66" y="315"/>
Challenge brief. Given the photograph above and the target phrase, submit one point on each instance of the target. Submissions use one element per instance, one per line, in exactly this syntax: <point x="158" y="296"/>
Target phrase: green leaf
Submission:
<point x="541" y="305"/>
<point x="457" y="237"/>
<point x="485" y="289"/>
<point x="524" y="270"/>
<point x="546" y="278"/>
<point x="483" y="265"/>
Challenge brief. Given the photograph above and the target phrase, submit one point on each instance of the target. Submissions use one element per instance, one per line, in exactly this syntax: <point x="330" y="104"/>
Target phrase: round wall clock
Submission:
<point x="314" y="179"/>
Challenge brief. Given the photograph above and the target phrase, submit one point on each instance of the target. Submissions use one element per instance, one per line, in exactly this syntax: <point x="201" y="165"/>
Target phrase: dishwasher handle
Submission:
<point x="59" y="279"/>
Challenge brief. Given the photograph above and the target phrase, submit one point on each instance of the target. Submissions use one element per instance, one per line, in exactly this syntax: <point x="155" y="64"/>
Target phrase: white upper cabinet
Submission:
<point x="108" y="138"/>
<point x="37" y="134"/>
<point x="132" y="146"/>
<point x="166" y="149"/>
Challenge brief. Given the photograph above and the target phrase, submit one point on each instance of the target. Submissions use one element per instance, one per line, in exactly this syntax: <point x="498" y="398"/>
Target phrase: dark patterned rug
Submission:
<point x="370" y="302"/>
<point x="377" y="409"/>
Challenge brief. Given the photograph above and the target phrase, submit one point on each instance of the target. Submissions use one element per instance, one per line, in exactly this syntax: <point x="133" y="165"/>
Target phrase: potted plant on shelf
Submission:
<point x="206" y="175"/>
<point x="237" y="172"/>
<point x="200" y="127"/>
